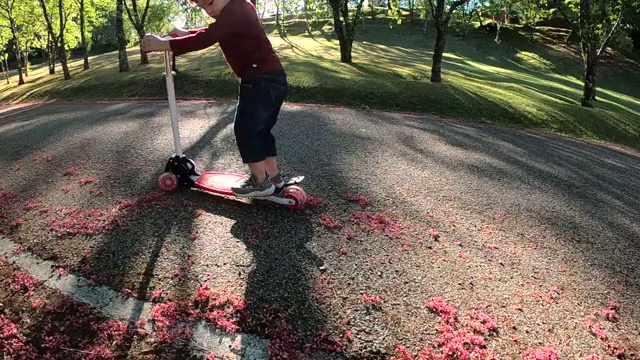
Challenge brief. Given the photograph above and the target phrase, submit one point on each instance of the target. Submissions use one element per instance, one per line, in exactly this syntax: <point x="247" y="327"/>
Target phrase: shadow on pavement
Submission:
<point x="586" y="194"/>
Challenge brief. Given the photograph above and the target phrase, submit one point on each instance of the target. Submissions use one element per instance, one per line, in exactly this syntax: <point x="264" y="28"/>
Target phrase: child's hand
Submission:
<point x="178" y="32"/>
<point x="152" y="42"/>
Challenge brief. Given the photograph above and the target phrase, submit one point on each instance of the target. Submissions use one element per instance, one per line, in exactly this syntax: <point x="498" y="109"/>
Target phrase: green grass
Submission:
<point x="516" y="82"/>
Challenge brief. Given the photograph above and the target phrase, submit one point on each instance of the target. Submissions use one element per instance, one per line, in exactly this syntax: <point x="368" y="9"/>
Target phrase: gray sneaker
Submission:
<point x="249" y="188"/>
<point x="278" y="182"/>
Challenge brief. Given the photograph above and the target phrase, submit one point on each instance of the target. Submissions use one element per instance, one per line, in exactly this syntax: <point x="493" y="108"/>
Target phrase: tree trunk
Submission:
<point x="346" y="46"/>
<point x="345" y="27"/>
<point x="25" y="61"/>
<point x="144" y="59"/>
<point x="4" y="74"/>
<point x="411" y="11"/>
<point x="568" y="37"/>
<point x="589" y="55"/>
<point x="442" y="22"/>
<point x="341" y="32"/>
<point x="123" y="62"/>
<point x="278" y="16"/>
<point x="479" y="17"/>
<point x="6" y="70"/>
<point x="635" y="38"/>
<point x="63" y="61"/>
<point x="138" y="23"/>
<point x="589" y="94"/>
<point x="16" y="44"/>
<point x="438" y="51"/>
<point x="83" y="37"/>
<point x="63" y="48"/>
<point x="51" y="58"/>
<point x="174" y="67"/>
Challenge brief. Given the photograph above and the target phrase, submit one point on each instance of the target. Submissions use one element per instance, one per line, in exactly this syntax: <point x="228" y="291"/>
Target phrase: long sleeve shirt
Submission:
<point x="242" y="39"/>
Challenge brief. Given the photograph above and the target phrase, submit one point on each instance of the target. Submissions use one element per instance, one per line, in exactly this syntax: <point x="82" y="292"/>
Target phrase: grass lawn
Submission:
<point x="516" y="82"/>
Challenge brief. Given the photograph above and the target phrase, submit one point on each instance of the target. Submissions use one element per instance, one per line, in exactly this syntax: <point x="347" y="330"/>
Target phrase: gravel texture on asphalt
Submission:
<point x="537" y="231"/>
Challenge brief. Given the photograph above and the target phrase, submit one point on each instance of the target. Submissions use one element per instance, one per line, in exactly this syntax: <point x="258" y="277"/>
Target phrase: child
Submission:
<point x="263" y="83"/>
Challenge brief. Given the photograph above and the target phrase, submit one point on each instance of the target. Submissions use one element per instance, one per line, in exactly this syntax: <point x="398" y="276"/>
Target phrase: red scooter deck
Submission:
<point x="219" y="182"/>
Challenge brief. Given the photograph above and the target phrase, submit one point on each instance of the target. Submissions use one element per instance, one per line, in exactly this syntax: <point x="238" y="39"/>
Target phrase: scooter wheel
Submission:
<point x="168" y="181"/>
<point x="296" y="194"/>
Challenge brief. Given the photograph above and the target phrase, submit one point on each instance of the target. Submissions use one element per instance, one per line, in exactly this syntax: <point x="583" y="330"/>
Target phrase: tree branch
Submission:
<point x="352" y="29"/>
<point x="124" y="2"/>
<point x="134" y="7"/>
<point x="49" y="25"/>
<point x="433" y="9"/>
<point x="144" y="13"/>
<point x="606" y="41"/>
<point x="453" y="7"/>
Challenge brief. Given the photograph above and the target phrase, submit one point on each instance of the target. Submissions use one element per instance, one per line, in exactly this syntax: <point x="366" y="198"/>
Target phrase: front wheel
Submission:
<point x="168" y="181"/>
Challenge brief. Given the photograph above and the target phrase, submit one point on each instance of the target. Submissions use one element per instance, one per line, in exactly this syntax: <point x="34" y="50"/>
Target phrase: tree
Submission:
<point x="345" y="26"/>
<point x="123" y="62"/>
<point x="8" y="11"/>
<point x="465" y="16"/>
<point x="29" y="27"/>
<point x="631" y="23"/>
<point x="499" y="12"/>
<point x="5" y="35"/>
<point x="83" y="33"/>
<point x="58" y="40"/>
<point x="597" y="21"/>
<point x="138" y="23"/>
<point x="442" y="24"/>
<point x="530" y="12"/>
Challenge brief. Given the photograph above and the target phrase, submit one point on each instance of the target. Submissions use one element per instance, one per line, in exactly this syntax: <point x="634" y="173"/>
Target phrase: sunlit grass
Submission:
<point x="515" y="82"/>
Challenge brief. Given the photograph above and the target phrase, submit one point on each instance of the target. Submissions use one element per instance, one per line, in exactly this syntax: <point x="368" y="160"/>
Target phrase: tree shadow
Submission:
<point x="596" y="186"/>
<point x="154" y="247"/>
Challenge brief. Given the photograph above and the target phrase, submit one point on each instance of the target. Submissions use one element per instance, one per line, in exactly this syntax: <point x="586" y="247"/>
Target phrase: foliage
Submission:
<point x="104" y="29"/>
<point x="162" y="14"/>
<point x="531" y="11"/>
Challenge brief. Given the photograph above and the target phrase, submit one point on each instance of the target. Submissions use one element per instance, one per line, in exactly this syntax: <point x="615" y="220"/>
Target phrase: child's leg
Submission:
<point x="271" y="166"/>
<point x="271" y="163"/>
<point x="255" y="117"/>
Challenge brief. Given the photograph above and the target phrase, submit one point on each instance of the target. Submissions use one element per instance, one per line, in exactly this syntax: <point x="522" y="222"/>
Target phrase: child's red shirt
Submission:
<point x="242" y="39"/>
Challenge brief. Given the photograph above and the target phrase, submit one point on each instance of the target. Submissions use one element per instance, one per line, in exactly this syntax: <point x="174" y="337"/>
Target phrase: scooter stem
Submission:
<point x="168" y="73"/>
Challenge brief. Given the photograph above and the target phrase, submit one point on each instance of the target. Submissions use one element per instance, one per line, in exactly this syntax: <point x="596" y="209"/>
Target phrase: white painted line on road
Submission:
<point x="125" y="308"/>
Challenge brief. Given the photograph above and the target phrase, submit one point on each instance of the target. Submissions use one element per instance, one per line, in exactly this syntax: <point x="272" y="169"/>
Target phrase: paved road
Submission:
<point x="408" y="160"/>
<point x="548" y="187"/>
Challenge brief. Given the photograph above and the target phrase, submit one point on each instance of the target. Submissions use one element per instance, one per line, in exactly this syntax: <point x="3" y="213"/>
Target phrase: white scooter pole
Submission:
<point x="168" y="73"/>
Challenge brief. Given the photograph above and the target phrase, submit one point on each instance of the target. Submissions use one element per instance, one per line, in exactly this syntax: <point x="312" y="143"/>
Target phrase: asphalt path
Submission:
<point x="585" y="197"/>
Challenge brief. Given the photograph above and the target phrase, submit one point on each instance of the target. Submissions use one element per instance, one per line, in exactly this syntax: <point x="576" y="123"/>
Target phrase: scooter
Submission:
<point x="181" y="171"/>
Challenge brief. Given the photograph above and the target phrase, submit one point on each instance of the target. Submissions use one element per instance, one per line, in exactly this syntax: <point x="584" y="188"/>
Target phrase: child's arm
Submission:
<point x="179" y="32"/>
<point x="199" y="39"/>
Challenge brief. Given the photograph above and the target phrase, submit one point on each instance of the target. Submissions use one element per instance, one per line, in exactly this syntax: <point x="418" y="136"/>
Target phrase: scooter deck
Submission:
<point x="221" y="182"/>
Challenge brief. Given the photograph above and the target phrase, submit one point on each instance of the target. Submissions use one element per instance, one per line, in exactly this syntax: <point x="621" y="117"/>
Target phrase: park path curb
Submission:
<point x="121" y="307"/>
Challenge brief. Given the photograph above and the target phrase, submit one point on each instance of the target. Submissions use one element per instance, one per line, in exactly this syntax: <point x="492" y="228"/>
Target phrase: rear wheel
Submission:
<point x="296" y="194"/>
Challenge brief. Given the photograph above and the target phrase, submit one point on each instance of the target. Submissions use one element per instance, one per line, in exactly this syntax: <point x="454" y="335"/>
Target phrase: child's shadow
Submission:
<point x="283" y="271"/>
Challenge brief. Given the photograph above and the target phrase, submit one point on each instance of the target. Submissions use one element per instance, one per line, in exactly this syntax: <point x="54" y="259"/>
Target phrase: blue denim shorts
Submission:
<point x="259" y="101"/>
